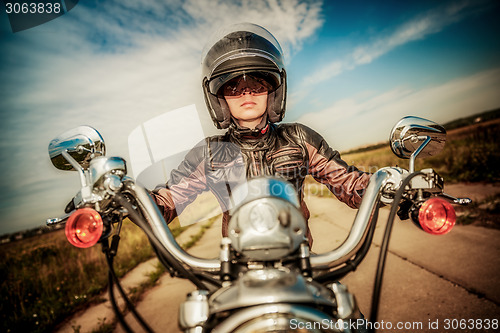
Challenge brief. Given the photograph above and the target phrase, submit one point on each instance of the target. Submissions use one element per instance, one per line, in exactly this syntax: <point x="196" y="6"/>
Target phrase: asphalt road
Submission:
<point x="445" y="280"/>
<point x="431" y="283"/>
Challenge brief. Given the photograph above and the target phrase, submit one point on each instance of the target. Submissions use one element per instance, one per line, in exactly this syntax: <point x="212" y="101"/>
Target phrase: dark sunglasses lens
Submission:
<point x="239" y="85"/>
<point x="255" y="83"/>
<point x="231" y="89"/>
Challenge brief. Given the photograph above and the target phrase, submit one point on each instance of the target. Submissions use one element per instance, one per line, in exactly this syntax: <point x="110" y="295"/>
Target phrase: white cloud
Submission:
<point x="363" y="120"/>
<point x="291" y="22"/>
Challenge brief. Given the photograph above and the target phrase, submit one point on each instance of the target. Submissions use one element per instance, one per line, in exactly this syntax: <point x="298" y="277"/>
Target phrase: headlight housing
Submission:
<point x="266" y="222"/>
<point x="278" y="318"/>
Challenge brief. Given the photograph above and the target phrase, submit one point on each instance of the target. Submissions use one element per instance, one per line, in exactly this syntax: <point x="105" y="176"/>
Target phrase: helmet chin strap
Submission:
<point x="245" y="131"/>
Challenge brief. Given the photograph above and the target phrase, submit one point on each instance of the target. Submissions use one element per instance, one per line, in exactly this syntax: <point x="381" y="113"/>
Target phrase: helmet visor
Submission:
<point x="245" y="83"/>
<point x="236" y="84"/>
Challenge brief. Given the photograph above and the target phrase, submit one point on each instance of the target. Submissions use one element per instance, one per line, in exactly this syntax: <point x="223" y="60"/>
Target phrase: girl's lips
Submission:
<point x="248" y="103"/>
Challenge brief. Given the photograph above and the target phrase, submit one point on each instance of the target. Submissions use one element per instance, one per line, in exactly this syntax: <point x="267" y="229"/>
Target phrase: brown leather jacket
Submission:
<point x="291" y="151"/>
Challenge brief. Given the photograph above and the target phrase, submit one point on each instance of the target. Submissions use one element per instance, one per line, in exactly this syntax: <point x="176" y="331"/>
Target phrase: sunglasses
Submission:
<point x="245" y="83"/>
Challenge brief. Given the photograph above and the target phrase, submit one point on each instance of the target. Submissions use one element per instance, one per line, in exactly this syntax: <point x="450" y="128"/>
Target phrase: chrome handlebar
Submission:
<point x="360" y="227"/>
<point x="382" y="184"/>
<point x="162" y="232"/>
<point x="327" y="260"/>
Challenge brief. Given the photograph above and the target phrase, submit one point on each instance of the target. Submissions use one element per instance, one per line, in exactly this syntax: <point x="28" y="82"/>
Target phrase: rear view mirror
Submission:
<point x="78" y="145"/>
<point x="413" y="136"/>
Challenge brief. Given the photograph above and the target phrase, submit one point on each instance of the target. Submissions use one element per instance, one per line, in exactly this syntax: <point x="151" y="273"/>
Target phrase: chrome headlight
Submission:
<point x="266" y="223"/>
<point x="263" y="217"/>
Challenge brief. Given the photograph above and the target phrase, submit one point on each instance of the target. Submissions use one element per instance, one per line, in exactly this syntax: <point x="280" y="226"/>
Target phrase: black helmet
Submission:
<point x="242" y="49"/>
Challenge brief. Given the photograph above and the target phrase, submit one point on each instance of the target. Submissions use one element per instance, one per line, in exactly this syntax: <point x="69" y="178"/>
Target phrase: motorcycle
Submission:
<point x="265" y="279"/>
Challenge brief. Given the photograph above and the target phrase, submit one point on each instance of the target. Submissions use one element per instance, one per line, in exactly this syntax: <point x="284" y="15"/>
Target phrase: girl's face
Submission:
<point x="247" y="99"/>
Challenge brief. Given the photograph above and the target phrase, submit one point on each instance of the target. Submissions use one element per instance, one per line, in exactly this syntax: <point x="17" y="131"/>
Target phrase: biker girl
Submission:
<point x="245" y="87"/>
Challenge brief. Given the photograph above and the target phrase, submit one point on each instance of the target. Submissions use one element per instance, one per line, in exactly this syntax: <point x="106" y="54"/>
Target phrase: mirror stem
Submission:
<point x="416" y="152"/>
<point x="86" y="191"/>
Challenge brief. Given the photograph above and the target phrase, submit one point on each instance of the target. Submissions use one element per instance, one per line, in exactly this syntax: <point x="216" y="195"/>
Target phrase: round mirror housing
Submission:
<point x="82" y="144"/>
<point x="414" y="135"/>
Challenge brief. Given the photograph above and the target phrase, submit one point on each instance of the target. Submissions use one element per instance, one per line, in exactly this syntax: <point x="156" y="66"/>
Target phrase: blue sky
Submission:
<point x="354" y="69"/>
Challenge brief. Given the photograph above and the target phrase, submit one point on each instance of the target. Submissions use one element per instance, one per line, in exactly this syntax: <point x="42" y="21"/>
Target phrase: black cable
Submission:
<point x="137" y="219"/>
<point x="163" y="261"/>
<point x="130" y="306"/>
<point x="217" y="283"/>
<point x="384" y="247"/>
<point x="201" y="275"/>
<point x="112" y="299"/>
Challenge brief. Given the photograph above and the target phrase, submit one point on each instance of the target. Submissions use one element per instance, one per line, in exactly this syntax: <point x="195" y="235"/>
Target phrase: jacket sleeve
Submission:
<point x="346" y="182"/>
<point x="185" y="184"/>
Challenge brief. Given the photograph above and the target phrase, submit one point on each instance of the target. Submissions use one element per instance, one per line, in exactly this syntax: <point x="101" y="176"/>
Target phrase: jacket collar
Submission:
<point x="240" y="132"/>
<point x="252" y="139"/>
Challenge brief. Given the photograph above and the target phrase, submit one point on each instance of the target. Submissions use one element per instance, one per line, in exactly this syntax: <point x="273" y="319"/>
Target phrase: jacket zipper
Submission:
<point x="254" y="163"/>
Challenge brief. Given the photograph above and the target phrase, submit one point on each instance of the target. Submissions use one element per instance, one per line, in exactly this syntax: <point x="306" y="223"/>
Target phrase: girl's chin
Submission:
<point x="251" y="113"/>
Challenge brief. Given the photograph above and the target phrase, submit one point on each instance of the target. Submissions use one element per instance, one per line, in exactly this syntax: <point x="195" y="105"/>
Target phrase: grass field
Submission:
<point x="45" y="279"/>
<point x="471" y="154"/>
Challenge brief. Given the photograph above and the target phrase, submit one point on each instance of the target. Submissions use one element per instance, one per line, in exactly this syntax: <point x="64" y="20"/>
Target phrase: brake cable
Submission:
<point x="137" y="219"/>
<point x="385" y="246"/>
<point x="113" y="279"/>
